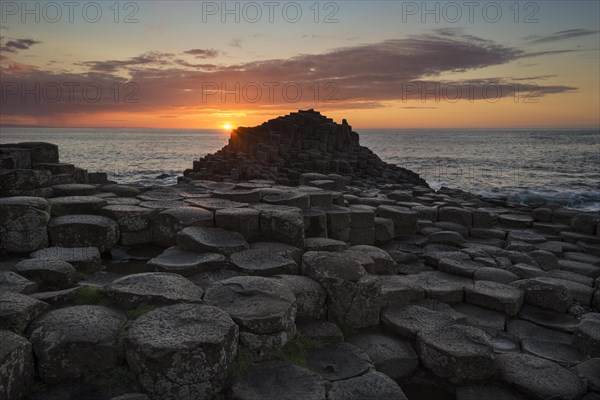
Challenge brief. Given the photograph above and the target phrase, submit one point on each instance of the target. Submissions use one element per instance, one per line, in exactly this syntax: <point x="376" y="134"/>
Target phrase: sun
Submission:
<point x="227" y="127"/>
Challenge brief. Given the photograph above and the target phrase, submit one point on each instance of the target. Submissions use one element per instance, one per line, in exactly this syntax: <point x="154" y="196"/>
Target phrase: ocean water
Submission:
<point x="532" y="166"/>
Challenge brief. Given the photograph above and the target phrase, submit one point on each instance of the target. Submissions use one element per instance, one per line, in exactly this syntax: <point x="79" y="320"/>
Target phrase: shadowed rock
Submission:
<point x="211" y="240"/>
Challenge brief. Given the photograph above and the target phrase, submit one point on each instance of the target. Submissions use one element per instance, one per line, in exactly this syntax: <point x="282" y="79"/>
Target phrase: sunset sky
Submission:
<point x="380" y="64"/>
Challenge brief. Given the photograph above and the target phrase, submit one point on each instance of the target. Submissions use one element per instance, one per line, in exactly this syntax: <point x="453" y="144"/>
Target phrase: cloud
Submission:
<point x="152" y="58"/>
<point x="202" y="53"/>
<point x="13" y="46"/>
<point x="237" y="42"/>
<point x="560" y="35"/>
<point x="360" y="76"/>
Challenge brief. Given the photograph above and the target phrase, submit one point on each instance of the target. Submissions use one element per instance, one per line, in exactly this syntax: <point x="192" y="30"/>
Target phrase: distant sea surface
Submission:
<point x="521" y="165"/>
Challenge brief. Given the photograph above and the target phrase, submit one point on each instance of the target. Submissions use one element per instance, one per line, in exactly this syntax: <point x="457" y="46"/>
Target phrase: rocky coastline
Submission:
<point x="292" y="264"/>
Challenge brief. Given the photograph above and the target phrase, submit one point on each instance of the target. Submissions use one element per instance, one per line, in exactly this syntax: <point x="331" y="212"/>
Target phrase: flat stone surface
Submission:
<point x="159" y="194"/>
<point x="466" y="268"/>
<point x="276" y="380"/>
<point x="372" y="385"/>
<point x="545" y="294"/>
<point x="458" y="353"/>
<point x="165" y="225"/>
<point x="152" y="287"/>
<point x="482" y="318"/>
<point x="186" y="263"/>
<point x="15" y="283"/>
<point x="310" y="296"/>
<point x="321" y="265"/>
<point x="159" y="205"/>
<point x="408" y="321"/>
<point x="183" y="351"/>
<point x="76" y="205"/>
<point x="338" y="362"/>
<point x="538" y="378"/>
<point x="320" y="331"/>
<point x="284" y="249"/>
<point x="80" y="230"/>
<point x="211" y="240"/>
<point x="392" y="356"/>
<point x="74" y="189"/>
<point x="242" y="220"/>
<point x="18" y="310"/>
<point x="214" y="204"/>
<point x="129" y="218"/>
<point x="493" y="274"/>
<point x="565" y="354"/>
<point x="587" y="335"/>
<point x="324" y="244"/>
<point x="384" y="263"/>
<point x="92" y="330"/>
<point x="263" y="263"/>
<point x="256" y="304"/>
<point x="589" y="370"/>
<point x="548" y="319"/>
<point x="49" y="274"/>
<point x="84" y="259"/>
<point x="294" y="199"/>
<point x="495" y="296"/>
<point x="16" y="366"/>
<point x="480" y="392"/>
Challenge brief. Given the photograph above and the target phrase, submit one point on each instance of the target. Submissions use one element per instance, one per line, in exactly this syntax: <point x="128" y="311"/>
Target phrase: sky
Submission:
<point x="379" y="64"/>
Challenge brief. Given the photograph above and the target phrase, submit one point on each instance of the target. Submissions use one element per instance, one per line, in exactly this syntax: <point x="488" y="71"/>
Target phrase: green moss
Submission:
<point x="132" y="315"/>
<point x="115" y="377"/>
<point x="295" y="350"/>
<point x="58" y="210"/>
<point x="243" y="361"/>
<point x="90" y="295"/>
<point x="139" y="311"/>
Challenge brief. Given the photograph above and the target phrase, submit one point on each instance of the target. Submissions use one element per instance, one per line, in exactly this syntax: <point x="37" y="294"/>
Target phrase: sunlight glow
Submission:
<point x="227" y="127"/>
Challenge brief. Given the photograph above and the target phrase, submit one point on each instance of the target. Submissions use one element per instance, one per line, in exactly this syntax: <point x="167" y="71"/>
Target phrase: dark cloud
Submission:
<point x="203" y="53"/>
<point x="152" y="58"/>
<point x="362" y="76"/>
<point x="13" y="46"/>
<point x="560" y="35"/>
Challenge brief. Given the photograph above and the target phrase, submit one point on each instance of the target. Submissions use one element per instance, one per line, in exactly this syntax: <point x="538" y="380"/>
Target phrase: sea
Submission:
<point x="521" y="166"/>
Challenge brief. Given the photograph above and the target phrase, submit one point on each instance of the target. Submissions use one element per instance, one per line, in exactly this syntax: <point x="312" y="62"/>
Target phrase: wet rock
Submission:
<point x="390" y="355"/>
<point x="186" y="263"/>
<point x="495" y="296"/>
<point x="310" y="296"/>
<point x="16" y="366"/>
<point x="211" y="240"/>
<point x="370" y="385"/>
<point x="183" y="351"/>
<point x="18" y="310"/>
<point x="275" y="380"/>
<point x="15" y="283"/>
<point x="338" y="362"/>
<point x="587" y="335"/>
<point x="92" y="330"/>
<point x="408" y="321"/>
<point x="458" y="353"/>
<point x="49" y="274"/>
<point x="152" y="287"/>
<point x="242" y="220"/>
<point x="84" y="259"/>
<point x="81" y="230"/>
<point x="538" y="378"/>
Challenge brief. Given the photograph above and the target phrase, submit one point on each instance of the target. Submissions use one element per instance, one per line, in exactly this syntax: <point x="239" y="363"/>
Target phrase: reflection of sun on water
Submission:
<point x="227" y="127"/>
